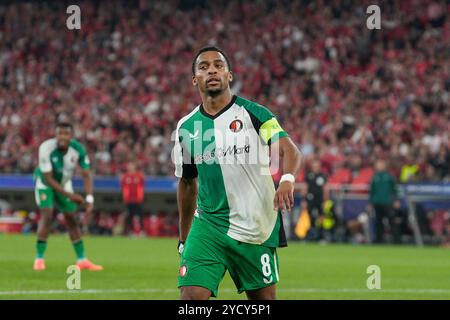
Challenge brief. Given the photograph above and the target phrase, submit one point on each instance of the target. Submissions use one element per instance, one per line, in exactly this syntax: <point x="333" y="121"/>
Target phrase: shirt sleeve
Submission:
<point x="83" y="160"/>
<point x="266" y="124"/>
<point x="271" y="131"/>
<point x="45" y="165"/>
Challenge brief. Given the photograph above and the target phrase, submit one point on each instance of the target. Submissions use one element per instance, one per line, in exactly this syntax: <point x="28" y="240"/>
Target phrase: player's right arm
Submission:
<point x="58" y="188"/>
<point x="186" y="198"/>
<point x="187" y="190"/>
<point x="45" y="166"/>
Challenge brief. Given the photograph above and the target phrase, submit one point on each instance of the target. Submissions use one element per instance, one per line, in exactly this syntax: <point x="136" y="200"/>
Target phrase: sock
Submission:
<point x="79" y="249"/>
<point x="41" y="246"/>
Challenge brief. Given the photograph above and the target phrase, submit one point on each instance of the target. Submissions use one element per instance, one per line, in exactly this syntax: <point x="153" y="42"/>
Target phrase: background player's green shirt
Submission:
<point x="62" y="166"/>
<point x="229" y="153"/>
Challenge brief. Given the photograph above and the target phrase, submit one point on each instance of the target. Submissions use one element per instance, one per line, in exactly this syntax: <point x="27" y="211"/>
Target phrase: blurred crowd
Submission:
<point x="347" y="95"/>
<point x="160" y="224"/>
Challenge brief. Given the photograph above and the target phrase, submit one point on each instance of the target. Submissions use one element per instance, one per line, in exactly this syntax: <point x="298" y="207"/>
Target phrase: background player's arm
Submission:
<point x="88" y="187"/>
<point x="291" y="157"/>
<point x="55" y="185"/>
<point x="85" y="164"/>
<point x="186" y="198"/>
<point x="87" y="179"/>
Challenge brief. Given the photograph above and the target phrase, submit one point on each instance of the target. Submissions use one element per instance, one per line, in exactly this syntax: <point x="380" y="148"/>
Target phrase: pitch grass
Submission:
<point x="147" y="268"/>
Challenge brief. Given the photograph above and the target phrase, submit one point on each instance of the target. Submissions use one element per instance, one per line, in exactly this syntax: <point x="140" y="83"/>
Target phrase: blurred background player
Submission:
<point x="383" y="199"/>
<point x="132" y="184"/>
<point x="58" y="159"/>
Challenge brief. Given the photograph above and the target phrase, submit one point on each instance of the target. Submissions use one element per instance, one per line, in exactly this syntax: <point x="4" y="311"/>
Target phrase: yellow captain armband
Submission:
<point x="271" y="129"/>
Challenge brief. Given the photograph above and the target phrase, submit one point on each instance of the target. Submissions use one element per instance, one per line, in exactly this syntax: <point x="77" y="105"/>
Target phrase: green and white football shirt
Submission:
<point x="62" y="166"/>
<point x="229" y="153"/>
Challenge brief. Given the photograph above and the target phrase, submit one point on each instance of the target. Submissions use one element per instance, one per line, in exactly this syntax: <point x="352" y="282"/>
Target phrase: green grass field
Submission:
<point x="147" y="268"/>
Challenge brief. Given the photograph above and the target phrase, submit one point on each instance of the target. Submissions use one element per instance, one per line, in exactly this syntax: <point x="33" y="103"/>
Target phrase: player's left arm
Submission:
<point x="86" y="172"/>
<point x="89" y="200"/>
<point x="89" y="189"/>
<point x="291" y="157"/>
<point x="273" y="135"/>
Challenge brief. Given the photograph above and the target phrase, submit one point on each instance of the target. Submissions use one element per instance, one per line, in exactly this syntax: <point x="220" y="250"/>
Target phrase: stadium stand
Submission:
<point x="338" y="88"/>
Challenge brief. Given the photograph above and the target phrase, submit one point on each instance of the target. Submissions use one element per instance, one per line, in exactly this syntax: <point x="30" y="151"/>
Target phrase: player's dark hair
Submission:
<point x="206" y="49"/>
<point x="64" y="124"/>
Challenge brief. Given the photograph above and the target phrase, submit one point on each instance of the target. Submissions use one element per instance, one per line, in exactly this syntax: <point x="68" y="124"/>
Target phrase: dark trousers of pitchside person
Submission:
<point x="134" y="209"/>
<point x="382" y="212"/>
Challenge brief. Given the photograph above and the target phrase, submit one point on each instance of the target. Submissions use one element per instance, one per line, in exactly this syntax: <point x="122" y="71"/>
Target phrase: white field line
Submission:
<point x="157" y="290"/>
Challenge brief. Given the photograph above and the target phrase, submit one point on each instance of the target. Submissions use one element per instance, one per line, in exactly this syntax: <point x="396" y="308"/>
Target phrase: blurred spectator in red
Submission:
<point x="102" y="224"/>
<point x="132" y="184"/>
<point x="156" y="225"/>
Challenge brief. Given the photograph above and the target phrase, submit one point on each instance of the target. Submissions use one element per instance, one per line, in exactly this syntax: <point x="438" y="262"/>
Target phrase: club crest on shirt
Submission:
<point x="43" y="196"/>
<point x="236" y="125"/>
<point x="183" y="270"/>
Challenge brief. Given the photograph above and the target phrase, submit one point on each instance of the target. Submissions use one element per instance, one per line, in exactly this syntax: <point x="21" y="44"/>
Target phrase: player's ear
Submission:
<point x="230" y="76"/>
<point x="194" y="81"/>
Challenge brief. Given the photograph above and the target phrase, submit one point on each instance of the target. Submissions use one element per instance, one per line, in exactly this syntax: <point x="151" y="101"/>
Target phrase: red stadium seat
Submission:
<point x="342" y="176"/>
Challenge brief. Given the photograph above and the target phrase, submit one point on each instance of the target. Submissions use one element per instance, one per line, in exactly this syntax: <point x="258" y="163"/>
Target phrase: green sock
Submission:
<point x="41" y="246"/>
<point x="79" y="249"/>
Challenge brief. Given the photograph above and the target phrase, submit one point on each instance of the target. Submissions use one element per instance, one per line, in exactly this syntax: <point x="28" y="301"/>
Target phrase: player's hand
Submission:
<point x="284" y="196"/>
<point x="78" y="199"/>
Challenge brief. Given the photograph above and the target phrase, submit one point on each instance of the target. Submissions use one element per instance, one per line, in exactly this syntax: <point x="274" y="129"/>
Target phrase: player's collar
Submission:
<point x="228" y="106"/>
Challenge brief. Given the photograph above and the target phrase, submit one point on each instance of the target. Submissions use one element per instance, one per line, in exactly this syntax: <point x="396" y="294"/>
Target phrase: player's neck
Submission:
<point x="214" y="105"/>
<point x="63" y="151"/>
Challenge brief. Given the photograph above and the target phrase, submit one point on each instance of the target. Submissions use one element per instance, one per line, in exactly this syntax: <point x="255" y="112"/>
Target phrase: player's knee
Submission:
<point x="271" y="296"/>
<point x="45" y="223"/>
<point x="194" y="293"/>
<point x="70" y="222"/>
<point x="267" y="293"/>
<point x="45" y="219"/>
